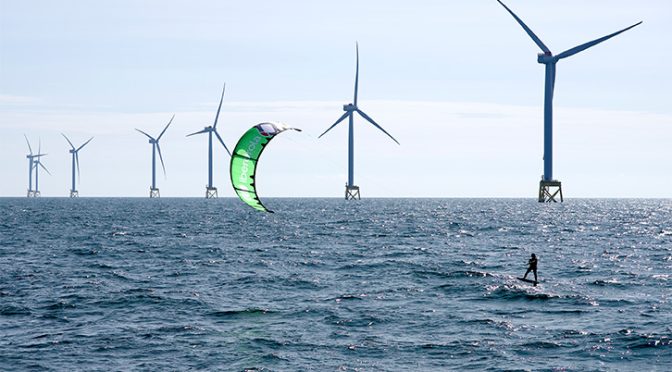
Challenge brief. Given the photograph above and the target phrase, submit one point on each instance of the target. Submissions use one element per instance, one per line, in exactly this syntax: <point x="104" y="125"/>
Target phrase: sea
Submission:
<point x="116" y="284"/>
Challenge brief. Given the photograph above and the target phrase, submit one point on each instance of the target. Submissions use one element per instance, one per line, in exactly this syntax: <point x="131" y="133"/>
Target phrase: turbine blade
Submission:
<point x="29" y="148"/>
<point x="43" y="167"/>
<point x="534" y="37"/>
<point x="220" y="106"/>
<point x="150" y="137"/>
<point x="82" y="146"/>
<point x="66" y="138"/>
<point x="77" y="161"/>
<point x="337" y="121"/>
<point x="365" y="116"/>
<point x="199" y="132"/>
<point x="161" y="158"/>
<point x="164" y="129"/>
<point x="582" y="47"/>
<point x="39" y="146"/>
<point x="222" y="141"/>
<point x="356" y="73"/>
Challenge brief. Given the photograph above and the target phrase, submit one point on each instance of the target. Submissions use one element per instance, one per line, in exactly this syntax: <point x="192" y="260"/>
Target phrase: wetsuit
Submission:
<point x="532" y="266"/>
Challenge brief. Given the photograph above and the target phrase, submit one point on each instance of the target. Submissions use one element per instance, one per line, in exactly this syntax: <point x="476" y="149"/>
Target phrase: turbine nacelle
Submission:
<point x="349" y="107"/>
<point x="545" y="58"/>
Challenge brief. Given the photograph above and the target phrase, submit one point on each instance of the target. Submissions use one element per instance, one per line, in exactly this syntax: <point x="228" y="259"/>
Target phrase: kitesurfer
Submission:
<point x="531" y="266"/>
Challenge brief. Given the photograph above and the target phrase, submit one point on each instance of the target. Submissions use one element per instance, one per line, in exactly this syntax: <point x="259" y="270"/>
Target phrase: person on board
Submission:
<point x="531" y="266"/>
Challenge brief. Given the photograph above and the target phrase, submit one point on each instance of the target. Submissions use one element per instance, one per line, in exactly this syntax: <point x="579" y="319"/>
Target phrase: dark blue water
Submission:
<point x="324" y="284"/>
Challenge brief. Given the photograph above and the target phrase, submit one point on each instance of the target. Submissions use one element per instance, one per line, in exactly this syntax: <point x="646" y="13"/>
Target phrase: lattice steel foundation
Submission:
<point x="210" y="192"/>
<point x="351" y="192"/>
<point x="549" y="190"/>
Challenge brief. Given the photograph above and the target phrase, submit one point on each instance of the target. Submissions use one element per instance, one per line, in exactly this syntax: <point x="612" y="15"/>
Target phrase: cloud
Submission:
<point x="10" y="100"/>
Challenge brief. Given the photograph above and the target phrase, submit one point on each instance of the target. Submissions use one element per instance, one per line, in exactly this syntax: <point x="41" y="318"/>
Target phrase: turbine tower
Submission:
<point x="75" y="159"/>
<point x="211" y="191"/>
<point x="352" y="191"/>
<point x="37" y="164"/>
<point x="153" y="190"/>
<point x="549" y="188"/>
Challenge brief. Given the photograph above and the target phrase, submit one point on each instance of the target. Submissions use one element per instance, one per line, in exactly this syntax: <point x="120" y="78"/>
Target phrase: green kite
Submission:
<point x="244" y="161"/>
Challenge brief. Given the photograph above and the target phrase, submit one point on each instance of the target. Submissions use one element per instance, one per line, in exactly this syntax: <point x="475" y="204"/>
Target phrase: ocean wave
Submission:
<point x="663" y="233"/>
<point x="571" y="333"/>
<point x="85" y="251"/>
<point x="191" y="329"/>
<point x="543" y="345"/>
<point x="59" y="305"/>
<point x="242" y="313"/>
<point x="503" y="324"/>
<point x="630" y="339"/>
<point x="354" y="321"/>
<point x="11" y="310"/>
<point x="568" y="311"/>
<point x="45" y="345"/>
<point x="515" y="292"/>
<point x="375" y="264"/>
<point x="348" y="297"/>
<point x="610" y="283"/>
<point x="458" y="274"/>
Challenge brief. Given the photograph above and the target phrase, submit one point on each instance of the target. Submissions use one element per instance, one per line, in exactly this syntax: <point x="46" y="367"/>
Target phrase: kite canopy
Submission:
<point x="244" y="161"/>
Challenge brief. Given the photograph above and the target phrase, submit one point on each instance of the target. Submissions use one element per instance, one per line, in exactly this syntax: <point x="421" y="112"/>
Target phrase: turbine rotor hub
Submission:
<point x="349" y="107"/>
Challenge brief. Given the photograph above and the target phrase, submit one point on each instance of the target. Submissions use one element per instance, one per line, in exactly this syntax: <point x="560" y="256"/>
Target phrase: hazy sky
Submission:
<point x="456" y="82"/>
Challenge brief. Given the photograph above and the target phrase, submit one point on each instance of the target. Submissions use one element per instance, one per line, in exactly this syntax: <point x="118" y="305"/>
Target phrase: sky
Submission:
<point x="455" y="82"/>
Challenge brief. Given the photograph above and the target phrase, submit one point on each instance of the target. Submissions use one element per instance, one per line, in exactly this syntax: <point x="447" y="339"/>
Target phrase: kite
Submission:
<point x="245" y="158"/>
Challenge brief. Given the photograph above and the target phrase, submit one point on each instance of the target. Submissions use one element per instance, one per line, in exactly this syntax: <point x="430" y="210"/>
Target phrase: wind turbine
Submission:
<point x="75" y="159"/>
<point x="548" y="187"/>
<point x="31" y="158"/>
<point x="153" y="190"/>
<point x="37" y="164"/>
<point x="352" y="191"/>
<point x="211" y="191"/>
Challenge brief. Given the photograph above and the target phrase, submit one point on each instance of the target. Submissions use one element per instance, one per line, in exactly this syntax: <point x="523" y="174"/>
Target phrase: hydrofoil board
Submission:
<point x="528" y="281"/>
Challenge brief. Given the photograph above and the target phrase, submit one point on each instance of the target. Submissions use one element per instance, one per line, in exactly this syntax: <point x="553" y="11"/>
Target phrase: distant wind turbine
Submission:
<point x="75" y="159"/>
<point x="548" y="187"/>
<point x="211" y="191"/>
<point x="352" y="191"/>
<point x="153" y="190"/>
<point x="38" y="164"/>
<point x="31" y="164"/>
